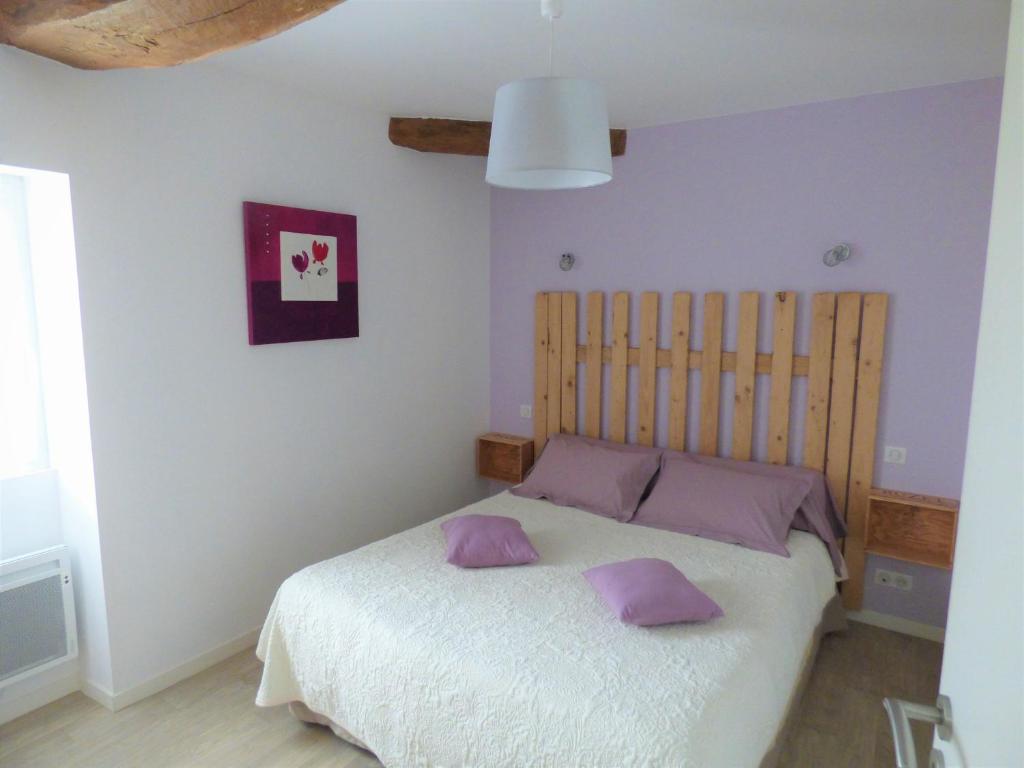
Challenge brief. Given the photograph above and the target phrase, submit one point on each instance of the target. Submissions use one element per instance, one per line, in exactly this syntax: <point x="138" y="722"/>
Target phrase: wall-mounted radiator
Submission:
<point x="37" y="614"/>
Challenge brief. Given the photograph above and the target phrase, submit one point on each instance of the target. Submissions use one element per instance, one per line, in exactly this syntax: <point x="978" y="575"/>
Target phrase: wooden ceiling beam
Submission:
<point x="114" y="34"/>
<point x="460" y="137"/>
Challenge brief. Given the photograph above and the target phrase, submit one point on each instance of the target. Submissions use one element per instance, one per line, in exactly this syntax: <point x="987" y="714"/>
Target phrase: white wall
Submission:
<point x="982" y="670"/>
<point x="222" y="468"/>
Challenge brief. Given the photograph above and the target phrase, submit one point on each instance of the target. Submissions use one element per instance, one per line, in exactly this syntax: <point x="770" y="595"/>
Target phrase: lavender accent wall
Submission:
<point x="750" y="202"/>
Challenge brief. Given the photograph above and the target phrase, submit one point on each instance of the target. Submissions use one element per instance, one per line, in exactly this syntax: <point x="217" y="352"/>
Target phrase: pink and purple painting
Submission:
<point x="301" y="270"/>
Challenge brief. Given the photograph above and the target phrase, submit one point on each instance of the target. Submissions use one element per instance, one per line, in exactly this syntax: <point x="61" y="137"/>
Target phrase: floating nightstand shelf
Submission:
<point x="912" y="527"/>
<point x="504" y="457"/>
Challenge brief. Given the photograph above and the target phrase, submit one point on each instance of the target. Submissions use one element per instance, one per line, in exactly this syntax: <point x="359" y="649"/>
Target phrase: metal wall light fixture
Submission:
<point x="837" y="255"/>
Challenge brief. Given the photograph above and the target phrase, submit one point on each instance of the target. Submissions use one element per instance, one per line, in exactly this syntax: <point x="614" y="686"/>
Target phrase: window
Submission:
<point x="23" y="446"/>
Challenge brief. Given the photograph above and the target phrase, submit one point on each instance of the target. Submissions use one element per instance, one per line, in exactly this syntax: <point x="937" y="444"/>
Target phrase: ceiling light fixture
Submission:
<point x="549" y="132"/>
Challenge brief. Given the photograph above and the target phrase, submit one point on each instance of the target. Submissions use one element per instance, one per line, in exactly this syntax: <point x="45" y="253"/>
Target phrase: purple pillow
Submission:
<point x="591" y="475"/>
<point x="817" y="513"/>
<point x="482" y="541"/>
<point x="649" y="591"/>
<point x="724" y="505"/>
<point x="649" y="450"/>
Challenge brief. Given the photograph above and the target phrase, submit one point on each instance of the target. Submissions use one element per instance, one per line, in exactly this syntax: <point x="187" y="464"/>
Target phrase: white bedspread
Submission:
<point x="432" y="665"/>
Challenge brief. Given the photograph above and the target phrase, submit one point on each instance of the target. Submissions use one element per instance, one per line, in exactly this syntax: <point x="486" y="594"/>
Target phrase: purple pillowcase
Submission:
<point x="649" y="591"/>
<point x="817" y="513"/>
<point x="606" y="479"/>
<point x="724" y="505"/>
<point x="648" y="450"/>
<point x="483" y="541"/>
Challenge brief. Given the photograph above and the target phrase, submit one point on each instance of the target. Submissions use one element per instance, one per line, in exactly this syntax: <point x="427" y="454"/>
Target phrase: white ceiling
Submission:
<point x="661" y="61"/>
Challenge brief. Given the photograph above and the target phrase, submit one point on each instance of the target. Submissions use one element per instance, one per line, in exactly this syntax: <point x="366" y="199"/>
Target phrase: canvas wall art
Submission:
<point x="301" y="273"/>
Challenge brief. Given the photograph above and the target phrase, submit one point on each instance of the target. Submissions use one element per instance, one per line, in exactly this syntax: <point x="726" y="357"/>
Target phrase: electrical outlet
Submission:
<point x="526" y="411"/>
<point x="903" y="581"/>
<point x="894" y="579"/>
<point x="895" y="455"/>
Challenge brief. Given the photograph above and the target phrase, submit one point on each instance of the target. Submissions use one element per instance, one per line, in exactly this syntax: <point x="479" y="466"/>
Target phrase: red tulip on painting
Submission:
<point x="319" y="252"/>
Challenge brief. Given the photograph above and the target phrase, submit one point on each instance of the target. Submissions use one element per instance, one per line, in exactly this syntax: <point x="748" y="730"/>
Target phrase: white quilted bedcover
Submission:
<point x="432" y="665"/>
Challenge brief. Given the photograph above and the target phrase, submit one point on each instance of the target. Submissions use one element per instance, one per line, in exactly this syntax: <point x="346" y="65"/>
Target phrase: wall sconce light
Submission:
<point x="836" y="255"/>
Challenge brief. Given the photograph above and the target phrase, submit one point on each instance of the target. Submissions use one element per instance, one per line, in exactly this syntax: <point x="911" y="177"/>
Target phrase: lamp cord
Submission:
<point x="551" y="46"/>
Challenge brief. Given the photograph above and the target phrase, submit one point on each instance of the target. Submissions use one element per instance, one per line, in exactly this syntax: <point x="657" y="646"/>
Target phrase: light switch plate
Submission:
<point x="895" y="455"/>
<point x="526" y="411"/>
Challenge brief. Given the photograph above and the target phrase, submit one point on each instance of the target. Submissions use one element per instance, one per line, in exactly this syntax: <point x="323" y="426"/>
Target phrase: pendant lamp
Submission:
<point x="549" y="132"/>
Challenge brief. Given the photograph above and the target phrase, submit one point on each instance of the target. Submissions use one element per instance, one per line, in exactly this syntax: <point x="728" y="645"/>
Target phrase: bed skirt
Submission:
<point x="306" y="715"/>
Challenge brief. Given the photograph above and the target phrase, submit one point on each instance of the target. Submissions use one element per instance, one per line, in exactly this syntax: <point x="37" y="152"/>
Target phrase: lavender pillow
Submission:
<point x="591" y="475"/>
<point x="817" y="513"/>
<point x="482" y="541"/>
<point x="720" y="504"/>
<point x="647" y="450"/>
<point x="649" y="591"/>
<point x="634" y="448"/>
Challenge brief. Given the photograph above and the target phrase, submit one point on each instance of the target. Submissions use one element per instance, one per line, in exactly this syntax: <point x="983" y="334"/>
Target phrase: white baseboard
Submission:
<point x="121" y="699"/>
<point x="897" y="624"/>
<point x="52" y="684"/>
<point x="99" y="694"/>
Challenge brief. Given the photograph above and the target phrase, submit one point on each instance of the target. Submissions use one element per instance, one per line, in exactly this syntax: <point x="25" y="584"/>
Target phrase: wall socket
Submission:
<point x="526" y="411"/>
<point x="894" y="579"/>
<point x="895" y="455"/>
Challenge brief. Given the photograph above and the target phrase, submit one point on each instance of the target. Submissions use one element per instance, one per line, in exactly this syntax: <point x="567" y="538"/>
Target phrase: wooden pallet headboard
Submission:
<point x="843" y="371"/>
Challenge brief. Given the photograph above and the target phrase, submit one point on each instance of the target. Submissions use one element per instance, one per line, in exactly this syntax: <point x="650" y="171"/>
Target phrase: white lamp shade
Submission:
<point x="549" y="133"/>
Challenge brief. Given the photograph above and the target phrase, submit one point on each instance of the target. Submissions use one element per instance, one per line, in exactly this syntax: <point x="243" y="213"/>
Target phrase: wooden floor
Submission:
<point x="210" y="719"/>
<point x="841" y="722"/>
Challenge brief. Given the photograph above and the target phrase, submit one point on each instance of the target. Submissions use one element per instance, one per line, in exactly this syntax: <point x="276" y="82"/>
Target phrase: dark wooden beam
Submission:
<point x="460" y="137"/>
<point x="113" y="34"/>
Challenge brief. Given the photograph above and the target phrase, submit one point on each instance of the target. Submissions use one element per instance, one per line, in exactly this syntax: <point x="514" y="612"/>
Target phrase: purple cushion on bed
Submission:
<point x="482" y="541"/>
<point x="722" y="504"/>
<point x="817" y="513"/>
<point x="606" y="479"/>
<point x="649" y="591"/>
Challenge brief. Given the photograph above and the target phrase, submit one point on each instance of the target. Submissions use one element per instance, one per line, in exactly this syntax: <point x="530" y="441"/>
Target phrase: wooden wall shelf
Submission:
<point x="506" y="458"/>
<point x="912" y="527"/>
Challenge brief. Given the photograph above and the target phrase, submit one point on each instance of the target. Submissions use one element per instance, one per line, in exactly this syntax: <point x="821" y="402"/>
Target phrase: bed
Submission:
<point x="426" y="664"/>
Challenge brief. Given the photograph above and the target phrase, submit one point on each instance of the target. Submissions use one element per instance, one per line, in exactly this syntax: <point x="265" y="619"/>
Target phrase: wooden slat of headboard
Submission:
<point x="619" y="359"/>
<point x="680" y="376"/>
<point x="746" y="364"/>
<point x="819" y="379"/>
<point x="710" y="373"/>
<point x="569" y="338"/>
<point x="840" y="412"/>
<point x="595" y="342"/>
<point x="554" y="362"/>
<point x="540" y="373"/>
<point x="648" y="369"/>
<point x="783" y="327"/>
<point x="865" y="424"/>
